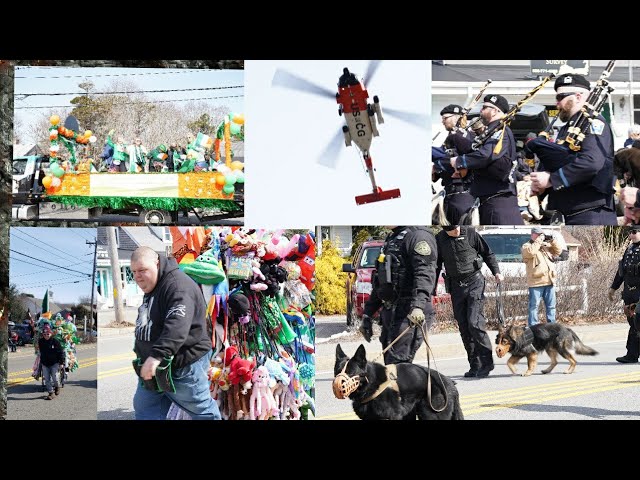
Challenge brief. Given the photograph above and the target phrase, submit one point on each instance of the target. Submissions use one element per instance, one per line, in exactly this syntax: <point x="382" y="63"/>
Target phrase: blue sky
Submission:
<point x="287" y="132"/>
<point x="144" y="78"/>
<point x="64" y="247"/>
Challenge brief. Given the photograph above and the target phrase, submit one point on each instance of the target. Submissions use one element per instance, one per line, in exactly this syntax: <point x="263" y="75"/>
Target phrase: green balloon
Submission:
<point x="57" y="170"/>
<point x="229" y="179"/>
<point x="229" y="189"/>
<point x="239" y="176"/>
<point x="235" y="129"/>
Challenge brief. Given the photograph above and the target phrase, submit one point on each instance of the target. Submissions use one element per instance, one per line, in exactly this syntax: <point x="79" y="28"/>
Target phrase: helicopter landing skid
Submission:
<point x="378" y="196"/>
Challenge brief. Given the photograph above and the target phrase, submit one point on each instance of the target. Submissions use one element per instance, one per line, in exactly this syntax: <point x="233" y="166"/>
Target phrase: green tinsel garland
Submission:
<point x="161" y="203"/>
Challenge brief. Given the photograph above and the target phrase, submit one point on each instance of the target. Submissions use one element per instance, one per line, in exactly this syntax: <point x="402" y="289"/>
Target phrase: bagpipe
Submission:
<point x="462" y="121"/>
<point x="482" y="138"/>
<point x="554" y="156"/>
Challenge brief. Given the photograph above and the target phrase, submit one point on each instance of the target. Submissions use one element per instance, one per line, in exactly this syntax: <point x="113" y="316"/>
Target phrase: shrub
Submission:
<point x="331" y="296"/>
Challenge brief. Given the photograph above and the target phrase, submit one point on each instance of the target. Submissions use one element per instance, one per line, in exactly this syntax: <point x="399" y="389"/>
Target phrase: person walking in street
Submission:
<point x="462" y="250"/>
<point x="51" y="357"/>
<point x="628" y="272"/>
<point x="402" y="287"/>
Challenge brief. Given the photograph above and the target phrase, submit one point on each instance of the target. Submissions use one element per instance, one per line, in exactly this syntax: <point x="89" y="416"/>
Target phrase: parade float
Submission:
<point x="259" y="288"/>
<point x="156" y="196"/>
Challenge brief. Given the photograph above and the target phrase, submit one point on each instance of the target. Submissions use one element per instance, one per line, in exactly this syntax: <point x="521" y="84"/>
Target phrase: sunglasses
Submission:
<point x="562" y="96"/>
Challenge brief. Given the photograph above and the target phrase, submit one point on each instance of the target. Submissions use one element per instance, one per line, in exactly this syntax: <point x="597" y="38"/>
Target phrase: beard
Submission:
<point x="565" y="112"/>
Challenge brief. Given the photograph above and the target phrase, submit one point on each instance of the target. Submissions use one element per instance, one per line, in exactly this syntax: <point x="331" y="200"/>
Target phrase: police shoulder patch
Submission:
<point x="496" y="135"/>
<point x="422" y="248"/>
<point x="597" y="127"/>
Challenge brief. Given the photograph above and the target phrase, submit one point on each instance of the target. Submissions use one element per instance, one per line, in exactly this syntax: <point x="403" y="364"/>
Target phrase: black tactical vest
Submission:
<point x="392" y="278"/>
<point x="460" y="258"/>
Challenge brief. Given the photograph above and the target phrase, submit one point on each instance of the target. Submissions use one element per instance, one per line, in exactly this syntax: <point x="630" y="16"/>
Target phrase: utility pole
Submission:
<point x="115" y="274"/>
<point x="631" y="106"/>
<point x="93" y="280"/>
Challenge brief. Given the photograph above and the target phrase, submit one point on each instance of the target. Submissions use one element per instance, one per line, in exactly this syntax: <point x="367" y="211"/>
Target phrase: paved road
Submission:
<point x="600" y="388"/>
<point x="116" y="378"/>
<point x="77" y="400"/>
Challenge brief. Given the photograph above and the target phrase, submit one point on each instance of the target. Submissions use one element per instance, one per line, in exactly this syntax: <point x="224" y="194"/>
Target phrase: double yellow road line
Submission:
<point x="534" y="394"/>
<point x="18" y="378"/>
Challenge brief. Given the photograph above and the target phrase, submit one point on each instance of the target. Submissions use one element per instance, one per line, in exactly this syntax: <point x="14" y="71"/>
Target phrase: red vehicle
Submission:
<point x="360" y="284"/>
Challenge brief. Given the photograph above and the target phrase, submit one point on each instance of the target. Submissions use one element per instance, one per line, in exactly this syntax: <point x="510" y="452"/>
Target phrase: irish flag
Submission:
<point x="204" y="141"/>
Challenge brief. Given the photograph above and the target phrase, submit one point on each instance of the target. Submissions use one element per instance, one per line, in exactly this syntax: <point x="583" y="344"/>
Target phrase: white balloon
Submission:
<point x="54" y="148"/>
<point x="92" y="139"/>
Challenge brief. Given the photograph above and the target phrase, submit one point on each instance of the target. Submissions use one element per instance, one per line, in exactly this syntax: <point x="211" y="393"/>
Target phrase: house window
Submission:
<point x="128" y="275"/>
<point x="326" y="233"/>
<point x="636" y="109"/>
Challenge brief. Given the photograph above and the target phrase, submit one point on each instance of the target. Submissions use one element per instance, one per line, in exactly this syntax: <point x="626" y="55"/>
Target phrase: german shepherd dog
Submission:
<point x="553" y="338"/>
<point x="406" y="395"/>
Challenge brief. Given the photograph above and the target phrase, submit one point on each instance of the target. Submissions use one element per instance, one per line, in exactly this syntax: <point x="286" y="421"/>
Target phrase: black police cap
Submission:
<point x="453" y="108"/>
<point x="497" y="101"/>
<point x="571" y="80"/>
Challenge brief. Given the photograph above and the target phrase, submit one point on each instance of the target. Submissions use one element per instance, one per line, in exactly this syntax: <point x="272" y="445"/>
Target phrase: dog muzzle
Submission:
<point x="344" y="385"/>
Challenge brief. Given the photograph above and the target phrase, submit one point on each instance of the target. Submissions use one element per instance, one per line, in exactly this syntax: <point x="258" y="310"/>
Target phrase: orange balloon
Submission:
<point x="46" y="182"/>
<point x="88" y="133"/>
<point x="54" y="119"/>
<point x="220" y="180"/>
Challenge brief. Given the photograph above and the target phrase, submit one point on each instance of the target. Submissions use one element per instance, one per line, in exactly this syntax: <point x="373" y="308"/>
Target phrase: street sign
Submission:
<point x="559" y="67"/>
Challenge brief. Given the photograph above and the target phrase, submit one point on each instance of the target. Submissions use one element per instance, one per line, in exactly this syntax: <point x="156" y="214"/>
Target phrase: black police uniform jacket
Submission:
<point x="172" y="319"/>
<point x="492" y="172"/>
<point x="629" y="273"/>
<point x="461" y="254"/>
<point x="416" y="249"/>
<point x="458" y="143"/>
<point x="573" y="188"/>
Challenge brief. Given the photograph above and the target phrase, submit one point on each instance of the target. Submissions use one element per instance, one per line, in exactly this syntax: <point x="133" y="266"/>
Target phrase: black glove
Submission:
<point x="366" y="327"/>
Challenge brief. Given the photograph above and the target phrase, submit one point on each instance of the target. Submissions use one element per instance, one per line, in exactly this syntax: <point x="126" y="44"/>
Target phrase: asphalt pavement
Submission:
<point x="76" y="401"/>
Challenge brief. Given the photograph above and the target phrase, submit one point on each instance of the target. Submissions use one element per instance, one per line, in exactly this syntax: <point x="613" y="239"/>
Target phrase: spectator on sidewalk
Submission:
<point x="538" y="254"/>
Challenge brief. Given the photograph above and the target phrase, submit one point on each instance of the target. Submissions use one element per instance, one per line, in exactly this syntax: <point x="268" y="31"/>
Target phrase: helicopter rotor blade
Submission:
<point x="331" y="154"/>
<point x="417" y="119"/>
<point x="285" y="79"/>
<point x="372" y="68"/>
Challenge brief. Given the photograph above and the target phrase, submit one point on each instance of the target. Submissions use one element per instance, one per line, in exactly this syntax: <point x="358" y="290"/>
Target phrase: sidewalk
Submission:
<point x="449" y="345"/>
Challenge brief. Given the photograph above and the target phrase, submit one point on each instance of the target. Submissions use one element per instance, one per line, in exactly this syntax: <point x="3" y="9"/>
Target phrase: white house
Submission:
<point x="128" y="239"/>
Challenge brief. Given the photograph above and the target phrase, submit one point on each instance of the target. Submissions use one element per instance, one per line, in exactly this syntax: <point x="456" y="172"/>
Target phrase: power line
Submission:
<point x="137" y="103"/>
<point x="75" y="231"/>
<point x="199" y="70"/>
<point x="46" y="269"/>
<point x="36" y="265"/>
<point x="57" y="283"/>
<point x="56" y="253"/>
<point x="128" y="92"/>
<point x="48" y="263"/>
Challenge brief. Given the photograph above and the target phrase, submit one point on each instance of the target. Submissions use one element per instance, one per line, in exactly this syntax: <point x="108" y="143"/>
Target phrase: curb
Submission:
<point x="114" y="332"/>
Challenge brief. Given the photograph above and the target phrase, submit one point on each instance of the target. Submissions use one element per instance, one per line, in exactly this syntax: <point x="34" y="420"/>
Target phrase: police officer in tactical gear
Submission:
<point x="629" y="273"/>
<point x="457" y="200"/>
<point x="493" y="166"/>
<point x="582" y="190"/>
<point x="462" y="251"/>
<point x="402" y="286"/>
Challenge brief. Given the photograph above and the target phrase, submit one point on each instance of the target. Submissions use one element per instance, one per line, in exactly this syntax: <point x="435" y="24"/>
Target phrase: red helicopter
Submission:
<point x="360" y="116"/>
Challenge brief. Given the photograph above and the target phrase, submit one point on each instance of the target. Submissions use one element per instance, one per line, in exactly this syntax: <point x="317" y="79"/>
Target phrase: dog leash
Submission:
<point x="499" y="307"/>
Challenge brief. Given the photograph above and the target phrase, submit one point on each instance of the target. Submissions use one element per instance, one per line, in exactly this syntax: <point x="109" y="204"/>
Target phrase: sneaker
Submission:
<point x="626" y="359"/>
<point x="57" y="391"/>
<point x="471" y="373"/>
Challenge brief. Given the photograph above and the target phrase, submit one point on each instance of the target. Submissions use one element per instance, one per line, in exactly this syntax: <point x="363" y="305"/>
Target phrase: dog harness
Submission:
<point x="392" y="382"/>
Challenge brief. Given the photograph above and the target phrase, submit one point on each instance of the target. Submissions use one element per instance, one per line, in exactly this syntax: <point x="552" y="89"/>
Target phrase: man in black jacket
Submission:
<point x="462" y="251"/>
<point x="51" y="356"/>
<point x="402" y="289"/>
<point x="171" y="324"/>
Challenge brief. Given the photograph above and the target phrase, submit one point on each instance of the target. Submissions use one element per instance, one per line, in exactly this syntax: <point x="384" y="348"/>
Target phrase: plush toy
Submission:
<point x="239" y="369"/>
<point x="262" y="405"/>
<point x="205" y="270"/>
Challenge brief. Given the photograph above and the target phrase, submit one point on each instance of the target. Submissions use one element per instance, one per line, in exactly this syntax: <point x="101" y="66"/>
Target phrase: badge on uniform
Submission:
<point x="597" y="127"/>
<point x="422" y="248"/>
<point x="496" y="135"/>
